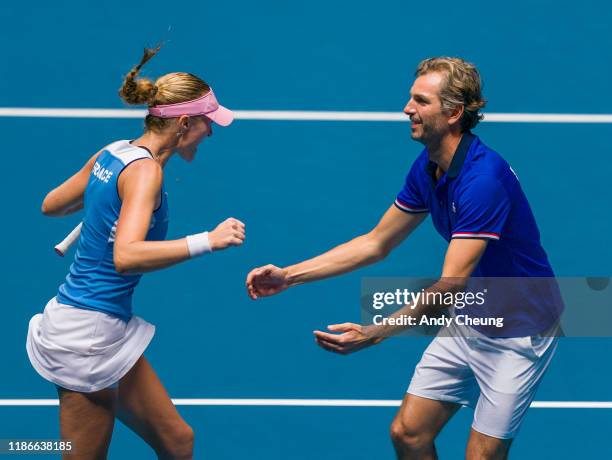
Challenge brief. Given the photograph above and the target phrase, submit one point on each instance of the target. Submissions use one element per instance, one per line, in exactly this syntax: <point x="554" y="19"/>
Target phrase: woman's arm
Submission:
<point x="68" y="197"/>
<point x="139" y="186"/>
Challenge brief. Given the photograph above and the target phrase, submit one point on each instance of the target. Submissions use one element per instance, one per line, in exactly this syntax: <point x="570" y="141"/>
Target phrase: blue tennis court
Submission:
<point x="302" y="187"/>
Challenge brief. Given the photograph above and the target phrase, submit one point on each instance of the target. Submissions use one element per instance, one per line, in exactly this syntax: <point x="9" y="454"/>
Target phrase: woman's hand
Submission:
<point x="230" y="232"/>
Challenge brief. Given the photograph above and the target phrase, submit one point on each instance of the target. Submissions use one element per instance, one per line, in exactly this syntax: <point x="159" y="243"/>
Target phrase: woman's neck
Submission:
<point x="160" y="146"/>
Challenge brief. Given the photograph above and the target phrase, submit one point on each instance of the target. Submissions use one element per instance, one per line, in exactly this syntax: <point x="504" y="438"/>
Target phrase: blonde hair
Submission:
<point x="168" y="89"/>
<point x="461" y="86"/>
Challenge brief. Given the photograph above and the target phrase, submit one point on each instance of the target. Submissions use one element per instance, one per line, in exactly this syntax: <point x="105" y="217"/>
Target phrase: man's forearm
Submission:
<point x="359" y="252"/>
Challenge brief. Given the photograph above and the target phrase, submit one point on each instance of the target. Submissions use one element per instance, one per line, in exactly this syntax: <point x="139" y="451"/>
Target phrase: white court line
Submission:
<point x="295" y="115"/>
<point x="316" y="403"/>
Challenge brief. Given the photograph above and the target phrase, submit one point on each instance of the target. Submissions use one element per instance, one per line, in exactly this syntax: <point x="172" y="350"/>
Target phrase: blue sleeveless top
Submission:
<point x="93" y="283"/>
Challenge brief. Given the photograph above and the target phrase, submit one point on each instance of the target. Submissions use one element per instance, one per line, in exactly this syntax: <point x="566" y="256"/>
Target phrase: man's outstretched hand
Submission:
<point x="266" y="281"/>
<point x="347" y="338"/>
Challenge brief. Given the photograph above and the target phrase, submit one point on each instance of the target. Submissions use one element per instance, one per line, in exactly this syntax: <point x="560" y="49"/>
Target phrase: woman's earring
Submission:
<point x="180" y="133"/>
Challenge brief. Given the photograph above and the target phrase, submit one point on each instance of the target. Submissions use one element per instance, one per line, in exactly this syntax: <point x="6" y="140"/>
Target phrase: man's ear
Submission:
<point x="456" y="114"/>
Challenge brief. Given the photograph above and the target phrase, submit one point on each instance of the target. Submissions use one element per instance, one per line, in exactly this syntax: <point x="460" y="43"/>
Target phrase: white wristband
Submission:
<point x="198" y="244"/>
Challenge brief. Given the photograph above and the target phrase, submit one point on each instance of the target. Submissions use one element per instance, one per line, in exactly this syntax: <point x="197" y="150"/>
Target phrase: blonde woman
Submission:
<point x="87" y="341"/>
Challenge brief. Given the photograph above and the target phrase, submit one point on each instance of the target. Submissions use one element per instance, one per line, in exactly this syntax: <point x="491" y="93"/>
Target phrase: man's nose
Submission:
<point x="409" y="108"/>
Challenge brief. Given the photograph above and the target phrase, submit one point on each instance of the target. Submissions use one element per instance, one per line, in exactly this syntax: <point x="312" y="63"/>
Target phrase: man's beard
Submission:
<point x="430" y="132"/>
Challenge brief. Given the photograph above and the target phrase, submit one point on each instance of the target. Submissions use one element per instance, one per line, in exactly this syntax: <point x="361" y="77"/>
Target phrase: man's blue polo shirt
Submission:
<point x="480" y="197"/>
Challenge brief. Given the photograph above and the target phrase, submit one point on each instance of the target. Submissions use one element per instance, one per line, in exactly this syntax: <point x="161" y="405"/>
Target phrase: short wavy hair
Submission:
<point x="461" y="86"/>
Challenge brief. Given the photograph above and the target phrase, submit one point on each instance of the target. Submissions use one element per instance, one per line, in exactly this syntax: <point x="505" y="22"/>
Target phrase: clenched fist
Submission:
<point x="230" y="232"/>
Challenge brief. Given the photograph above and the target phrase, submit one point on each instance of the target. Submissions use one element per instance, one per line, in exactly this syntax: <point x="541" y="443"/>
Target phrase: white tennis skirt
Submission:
<point x="85" y="350"/>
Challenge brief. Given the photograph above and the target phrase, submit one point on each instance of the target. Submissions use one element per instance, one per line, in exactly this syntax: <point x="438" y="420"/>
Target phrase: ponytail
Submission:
<point x="142" y="90"/>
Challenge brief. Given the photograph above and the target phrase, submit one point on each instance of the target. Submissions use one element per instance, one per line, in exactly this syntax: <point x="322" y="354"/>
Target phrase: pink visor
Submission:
<point x="205" y="105"/>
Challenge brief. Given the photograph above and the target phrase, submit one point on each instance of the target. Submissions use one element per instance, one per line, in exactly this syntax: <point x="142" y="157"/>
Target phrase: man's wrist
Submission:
<point x="374" y="333"/>
<point x="291" y="278"/>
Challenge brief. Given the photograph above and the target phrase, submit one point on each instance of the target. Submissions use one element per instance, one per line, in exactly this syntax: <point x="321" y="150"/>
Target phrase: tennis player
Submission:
<point x="478" y="206"/>
<point x="87" y="341"/>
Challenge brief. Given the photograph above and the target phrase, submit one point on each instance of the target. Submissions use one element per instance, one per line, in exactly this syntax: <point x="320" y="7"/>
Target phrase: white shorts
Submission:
<point x="84" y="350"/>
<point x="498" y="377"/>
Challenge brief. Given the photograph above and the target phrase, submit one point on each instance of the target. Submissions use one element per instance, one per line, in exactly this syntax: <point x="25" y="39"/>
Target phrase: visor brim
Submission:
<point x="222" y="116"/>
